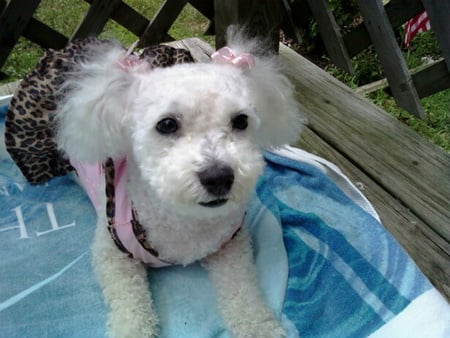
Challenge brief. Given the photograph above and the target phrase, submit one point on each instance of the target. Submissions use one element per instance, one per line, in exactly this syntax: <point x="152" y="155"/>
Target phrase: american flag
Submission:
<point x="419" y="23"/>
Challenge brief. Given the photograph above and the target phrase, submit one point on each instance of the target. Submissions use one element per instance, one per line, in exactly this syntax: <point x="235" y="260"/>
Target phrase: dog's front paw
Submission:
<point x="132" y="323"/>
<point x="269" y="328"/>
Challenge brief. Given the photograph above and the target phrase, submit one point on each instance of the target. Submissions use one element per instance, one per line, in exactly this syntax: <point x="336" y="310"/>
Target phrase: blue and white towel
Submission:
<point x="327" y="266"/>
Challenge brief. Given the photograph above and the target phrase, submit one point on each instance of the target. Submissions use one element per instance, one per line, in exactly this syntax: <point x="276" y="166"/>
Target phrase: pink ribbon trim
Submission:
<point x="227" y="55"/>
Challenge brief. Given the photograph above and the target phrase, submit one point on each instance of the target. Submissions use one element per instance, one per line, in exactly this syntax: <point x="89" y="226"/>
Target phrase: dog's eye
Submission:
<point x="240" y="122"/>
<point x="167" y="126"/>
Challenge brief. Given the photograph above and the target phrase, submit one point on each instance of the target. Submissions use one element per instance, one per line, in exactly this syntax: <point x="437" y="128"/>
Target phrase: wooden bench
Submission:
<point x="406" y="177"/>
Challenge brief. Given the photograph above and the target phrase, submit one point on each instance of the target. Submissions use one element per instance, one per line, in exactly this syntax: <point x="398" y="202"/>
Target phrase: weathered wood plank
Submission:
<point x="406" y="165"/>
<point x="391" y="58"/>
<point x="331" y="35"/>
<point x="372" y="87"/>
<point x="260" y="17"/>
<point x="430" y="251"/>
<point x="9" y="88"/>
<point x="13" y="20"/>
<point x="96" y="18"/>
<point x="398" y="11"/>
<point x="438" y="12"/>
<point x="200" y="50"/>
<point x="161" y="22"/>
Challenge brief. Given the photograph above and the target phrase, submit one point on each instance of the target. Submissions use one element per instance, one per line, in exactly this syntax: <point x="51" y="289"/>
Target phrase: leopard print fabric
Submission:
<point x="29" y="136"/>
<point x="29" y="124"/>
<point x="108" y="168"/>
<point x="138" y="229"/>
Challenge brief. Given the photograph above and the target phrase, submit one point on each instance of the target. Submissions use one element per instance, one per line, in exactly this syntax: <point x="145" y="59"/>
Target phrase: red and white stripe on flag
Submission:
<point x="419" y="23"/>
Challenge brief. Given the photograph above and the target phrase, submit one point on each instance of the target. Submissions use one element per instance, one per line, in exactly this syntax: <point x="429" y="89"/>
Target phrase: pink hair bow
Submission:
<point x="227" y="55"/>
<point x="129" y="60"/>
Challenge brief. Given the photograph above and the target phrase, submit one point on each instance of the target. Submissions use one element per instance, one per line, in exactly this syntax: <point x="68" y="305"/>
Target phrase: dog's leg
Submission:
<point x="233" y="274"/>
<point x="125" y="288"/>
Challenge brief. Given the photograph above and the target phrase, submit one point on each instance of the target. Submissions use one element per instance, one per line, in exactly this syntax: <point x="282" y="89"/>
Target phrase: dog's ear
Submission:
<point x="91" y="117"/>
<point x="281" y="115"/>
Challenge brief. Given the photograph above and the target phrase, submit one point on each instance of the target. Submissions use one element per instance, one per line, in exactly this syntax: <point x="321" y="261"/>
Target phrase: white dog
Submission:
<point x="185" y="143"/>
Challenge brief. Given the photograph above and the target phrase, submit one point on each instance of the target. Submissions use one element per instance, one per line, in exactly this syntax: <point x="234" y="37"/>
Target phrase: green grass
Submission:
<point x="65" y="15"/>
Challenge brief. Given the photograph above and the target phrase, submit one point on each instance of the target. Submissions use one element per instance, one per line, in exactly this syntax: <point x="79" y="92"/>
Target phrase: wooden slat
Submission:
<point x="44" y="36"/>
<point x="390" y="56"/>
<point x="372" y="87"/>
<point x="288" y="24"/>
<point x="430" y="251"/>
<point x="206" y="7"/>
<point x="260" y="17"/>
<point x="432" y="79"/>
<point x="96" y="18"/>
<point x="428" y="79"/>
<point x="157" y="30"/>
<point x="331" y="35"/>
<point x="438" y="12"/>
<point x="301" y="13"/>
<point x="126" y="16"/>
<point x="13" y="20"/>
<point x="402" y="162"/>
<point x="398" y="11"/>
<point x="130" y="19"/>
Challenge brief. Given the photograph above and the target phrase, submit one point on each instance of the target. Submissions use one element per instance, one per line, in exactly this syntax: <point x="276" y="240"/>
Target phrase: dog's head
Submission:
<point x="194" y="131"/>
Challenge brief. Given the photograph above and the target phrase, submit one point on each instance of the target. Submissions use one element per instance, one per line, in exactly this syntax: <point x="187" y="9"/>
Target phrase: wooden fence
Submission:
<point x="16" y="20"/>
<point x="377" y="28"/>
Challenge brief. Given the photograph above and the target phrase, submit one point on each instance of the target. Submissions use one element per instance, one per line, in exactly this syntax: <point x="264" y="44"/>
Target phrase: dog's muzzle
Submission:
<point x="217" y="181"/>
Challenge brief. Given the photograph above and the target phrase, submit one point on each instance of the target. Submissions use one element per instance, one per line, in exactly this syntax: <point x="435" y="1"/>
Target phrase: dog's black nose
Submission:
<point x="217" y="179"/>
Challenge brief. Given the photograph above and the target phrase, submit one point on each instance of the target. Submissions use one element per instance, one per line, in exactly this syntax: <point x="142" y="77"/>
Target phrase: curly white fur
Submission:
<point x="113" y="112"/>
